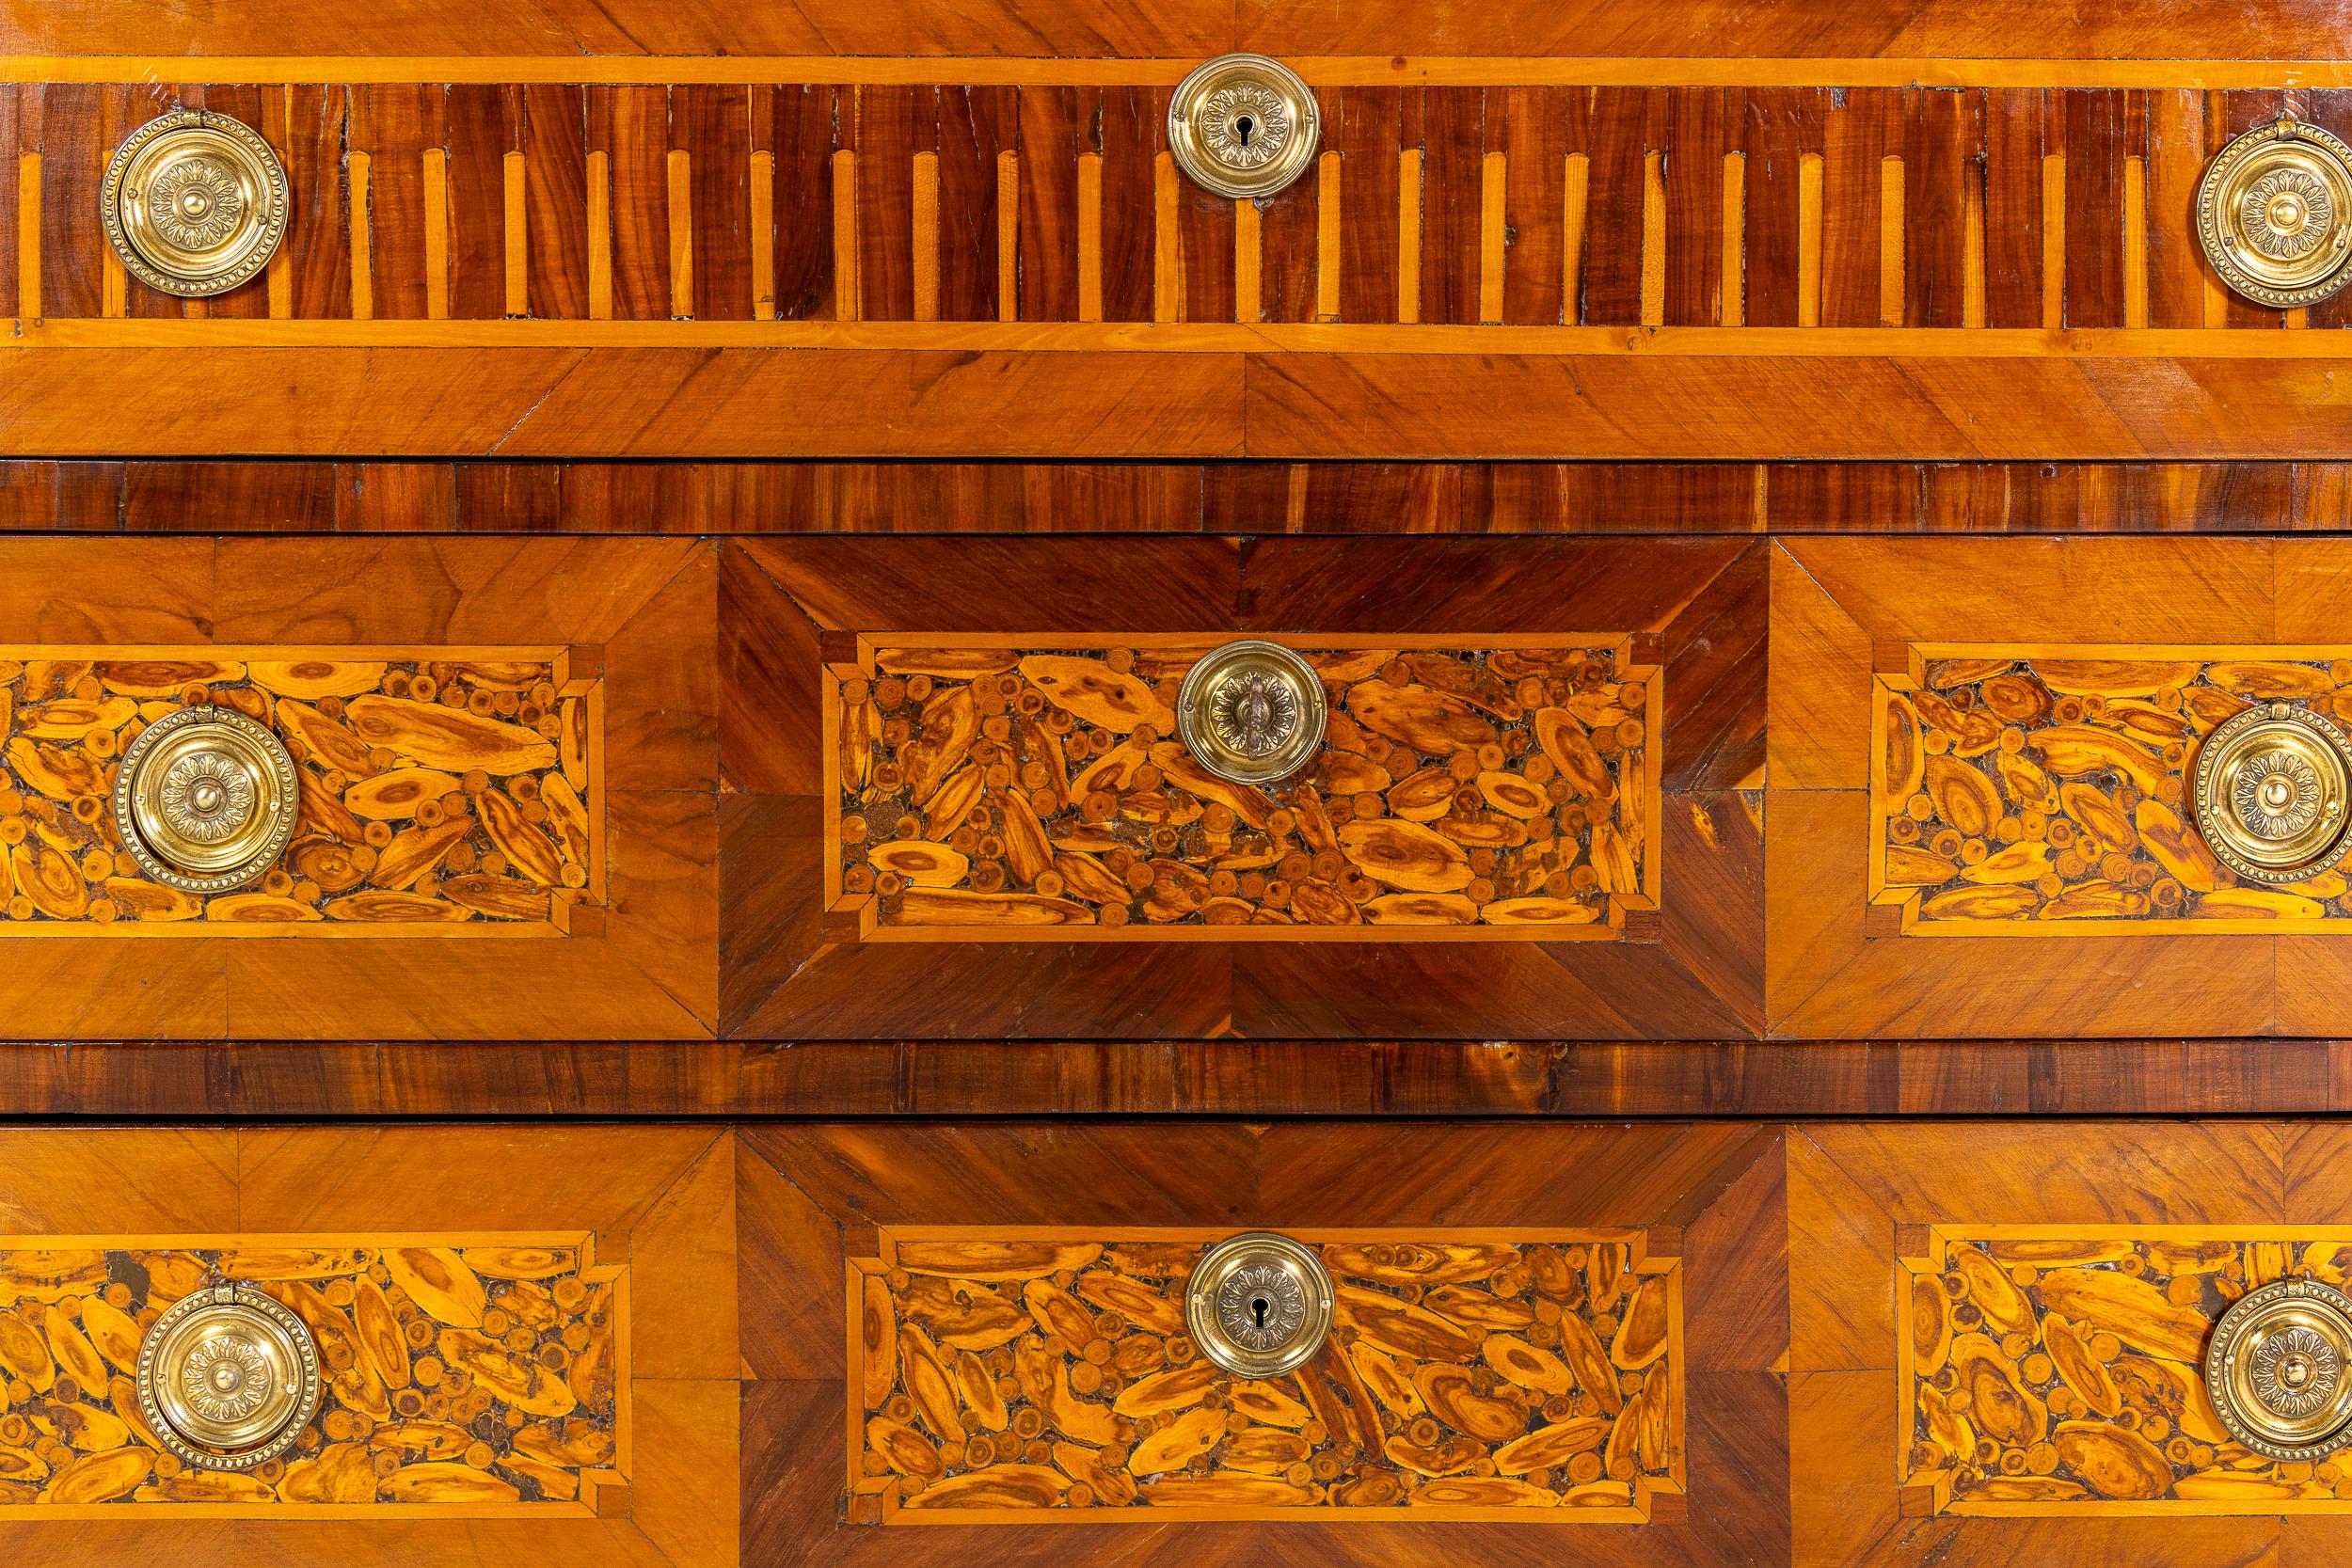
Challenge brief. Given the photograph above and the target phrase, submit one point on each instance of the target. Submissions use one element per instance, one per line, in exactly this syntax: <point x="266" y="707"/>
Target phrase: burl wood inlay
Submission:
<point x="2046" y="1371"/>
<point x="481" y="1379"/>
<point x="1490" y="792"/>
<point x="2049" y="792"/>
<point x="444" y="791"/>
<point x="1465" y="1377"/>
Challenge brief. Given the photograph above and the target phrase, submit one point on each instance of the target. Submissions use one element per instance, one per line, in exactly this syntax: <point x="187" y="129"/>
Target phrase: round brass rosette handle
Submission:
<point x="1251" y="712"/>
<point x="1259" y="1304"/>
<point x="2271" y="787"/>
<point x="2278" y="1369"/>
<point x="205" y="798"/>
<point x="227" y="1378"/>
<point x="2274" y="213"/>
<point x="194" y="202"/>
<point x="1242" y="125"/>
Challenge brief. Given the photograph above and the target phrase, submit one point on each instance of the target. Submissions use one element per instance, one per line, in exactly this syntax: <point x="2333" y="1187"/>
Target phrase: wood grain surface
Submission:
<point x="1862" y="1199"/>
<point x="1730" y="259"/>
<point x="1482" y="1376"/>
<point x="1472" y="793"/>
<point x="401" y="830"/>
<point x="625" y="617"/>
<point x="439" y="1240"/>
<point x="1123" y="1209"/>
<point x="795" y="969"/>
<point x="1844" y="611"/>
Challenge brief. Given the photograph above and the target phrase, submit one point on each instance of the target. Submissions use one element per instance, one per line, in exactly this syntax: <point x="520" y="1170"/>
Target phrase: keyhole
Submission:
<point x="1241" y="128"/>
<point x="1260" y="1306"/>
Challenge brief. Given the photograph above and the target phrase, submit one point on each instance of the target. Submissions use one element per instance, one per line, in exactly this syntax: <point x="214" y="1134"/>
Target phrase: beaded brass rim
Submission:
<point x="194" y="202"/>
<point x="1259" y="1304"/>
<point x="1253" y="712"/>
<point x="2274" y="213"/>
<point x="2278" y="1369"/>
<point x="1242" y="125"/>
<point x="227" y="1378"/>
<point x="205" y="798"/>
<point x="2272" y="784"/>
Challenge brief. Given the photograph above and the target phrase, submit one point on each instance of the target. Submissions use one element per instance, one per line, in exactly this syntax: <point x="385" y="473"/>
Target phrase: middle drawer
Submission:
<point x="978" y="800"/>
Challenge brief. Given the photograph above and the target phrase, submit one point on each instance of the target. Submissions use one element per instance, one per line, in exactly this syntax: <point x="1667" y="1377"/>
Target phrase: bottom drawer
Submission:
<point x="915" y="1343"/>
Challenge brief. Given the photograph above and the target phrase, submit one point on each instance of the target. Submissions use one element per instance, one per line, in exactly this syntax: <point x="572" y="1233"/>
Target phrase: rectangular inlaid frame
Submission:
<point x="1692" y="609"/>
<point x="1614" y="906"/>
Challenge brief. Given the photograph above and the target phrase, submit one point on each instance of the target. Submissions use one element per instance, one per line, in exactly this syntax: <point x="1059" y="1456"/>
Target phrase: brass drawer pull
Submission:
<point x="227" y="1378"/>
<point x="1253" y="712"/>
<point x="1259" y="1304"/>
<point x="2274" y="213"/>
<point x="2272" y="784"/>
<point x="2278" y="1369"/>
<point x="1243" y="126"/>
<point x="194" y="202"/>
<point x="205" y="798"/>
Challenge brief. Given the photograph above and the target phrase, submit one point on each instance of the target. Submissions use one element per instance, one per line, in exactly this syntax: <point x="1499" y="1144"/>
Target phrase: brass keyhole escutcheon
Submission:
<point x="2273" y="793"/>
<point x="194" y="202"/>
<point x="227" y="1378"/>
<point x="2274" y="213"/>
<point x="1259" y="1304"/>
<point x="1243" y="126"/>
<point x="2278" y="1369"/>
<point x="1253" y="712"/>
<point x="205" y="798"/>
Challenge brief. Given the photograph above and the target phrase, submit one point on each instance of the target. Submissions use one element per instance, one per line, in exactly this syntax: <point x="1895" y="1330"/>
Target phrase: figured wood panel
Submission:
<point x="2104" y="1401"/>
<point x="2056" y="784"/>
<point x="1468" y="1377"/>
<point x="1484" y="792"/>
<point x="497" y="1388"/>
<point x="443" y="791"/>
<point x="480" y="1380"/>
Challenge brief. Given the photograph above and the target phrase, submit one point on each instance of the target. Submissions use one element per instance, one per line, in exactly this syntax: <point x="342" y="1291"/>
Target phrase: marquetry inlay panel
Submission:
<point x="2058" y="1370"/>
<point x="1012" y="1376"/>
<point x="2049" y="791"/>
<point x="1501" y="790"/>
<point x="481" y="1376"/>
<point x="444" y="791"/>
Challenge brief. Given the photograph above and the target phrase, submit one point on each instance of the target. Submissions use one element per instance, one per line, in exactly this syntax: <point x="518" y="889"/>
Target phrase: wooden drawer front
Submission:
<point x="501" y="773"/>
<point x="1998" y="1336"/>
<point x="1589" y="1349"/>
<point x="1982" y="740"/>
<point x="512" y="1363"/>
<point x="964" y="810"/>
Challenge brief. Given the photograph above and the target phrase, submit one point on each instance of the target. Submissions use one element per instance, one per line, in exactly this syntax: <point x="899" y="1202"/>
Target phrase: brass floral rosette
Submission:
<point x="205" y="798"/>
<point x="194" y="202"/>
<point x="2274" y="213"/>
<point x="2278" y="1369"/>
<point x="227" y="1378"/>
<point x="1259" y="1304"/>
<point x="2272" y="788"/>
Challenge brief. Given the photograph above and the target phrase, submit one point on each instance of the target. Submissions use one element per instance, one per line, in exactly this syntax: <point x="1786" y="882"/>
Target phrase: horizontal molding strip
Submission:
<point x="1336" y="70"/>
<point x="1727" y="342"/>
